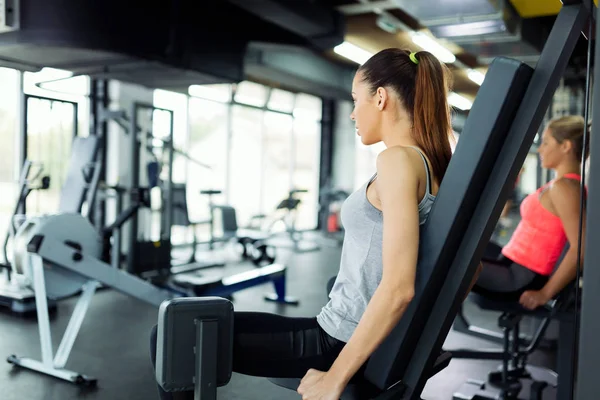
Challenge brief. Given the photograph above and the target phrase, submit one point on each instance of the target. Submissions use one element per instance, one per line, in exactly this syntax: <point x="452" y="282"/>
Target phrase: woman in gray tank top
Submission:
<point x="400" y="99"/>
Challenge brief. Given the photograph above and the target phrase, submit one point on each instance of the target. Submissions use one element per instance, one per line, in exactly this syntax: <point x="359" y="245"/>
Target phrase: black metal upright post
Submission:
<point x="589" y="345"/>
<point x="326" y="156"/>
<point x="134" y="172"/>
<point x="75" y="120"/>
<point x="205" y="382"/>
<point x="99" y="102"/>
<point x="167" y="186"/>
<point x="23" y="133"/>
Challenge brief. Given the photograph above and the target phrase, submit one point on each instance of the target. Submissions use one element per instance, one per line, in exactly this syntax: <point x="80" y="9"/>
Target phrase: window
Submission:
<point x="246" y="162"/>
<point x="308" y="107"/>
<point x="178" y="103"/>
<point x="220" y="92"/>
<point x="255" y="156"/>
<point x="9" y="82"/>
<point x="208" y="131"/>
<point x="251" y="93"/>
<point x="57" y="109"/>
<point x="50" y="133"/>
<point x="281" y="100"/>
<point x="278" y="160"/>
<point x="307" y="150"/>
<point x="62" y="85"/>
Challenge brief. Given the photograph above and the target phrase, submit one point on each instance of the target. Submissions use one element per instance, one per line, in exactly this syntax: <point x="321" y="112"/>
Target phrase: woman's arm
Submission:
<point x="566" y="199"/>
<point x="397" y="188"/>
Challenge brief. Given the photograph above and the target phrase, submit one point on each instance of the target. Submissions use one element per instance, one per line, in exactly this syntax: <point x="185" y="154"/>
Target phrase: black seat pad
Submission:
<point x="359" y="391"/>
<point x="513" y="307"/>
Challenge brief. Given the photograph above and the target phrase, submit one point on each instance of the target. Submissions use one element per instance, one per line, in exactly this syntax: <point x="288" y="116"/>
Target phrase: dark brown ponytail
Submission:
<point x="423" y="89"/>
<point x="431" y="113"/>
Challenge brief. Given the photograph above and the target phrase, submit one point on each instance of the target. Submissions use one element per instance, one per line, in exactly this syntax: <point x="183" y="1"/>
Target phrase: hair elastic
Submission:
<point x="413" y="58"/>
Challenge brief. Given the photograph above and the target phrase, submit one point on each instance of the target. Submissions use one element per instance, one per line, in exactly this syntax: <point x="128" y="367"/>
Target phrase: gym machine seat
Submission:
<point x="364" y="390"/>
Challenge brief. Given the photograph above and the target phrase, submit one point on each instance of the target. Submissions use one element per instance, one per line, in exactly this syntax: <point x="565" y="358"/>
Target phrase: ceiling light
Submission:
<point x="469" y="29"/>
<point x="384" y="23"/>
<point x="459" y="101"/>
<point x="431" y="45"/>
<point x="476" y="76"/>
<point x="352" y="52"/>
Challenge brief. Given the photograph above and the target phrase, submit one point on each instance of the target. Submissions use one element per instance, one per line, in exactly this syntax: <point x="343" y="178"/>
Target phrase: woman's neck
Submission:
<point x="568" y="167"/>
<point x="398" y="133"/>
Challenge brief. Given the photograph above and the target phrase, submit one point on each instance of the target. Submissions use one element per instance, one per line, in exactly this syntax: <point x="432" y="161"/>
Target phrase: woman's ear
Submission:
<point x="566" y="146"/>
<point x="381" y="98"/>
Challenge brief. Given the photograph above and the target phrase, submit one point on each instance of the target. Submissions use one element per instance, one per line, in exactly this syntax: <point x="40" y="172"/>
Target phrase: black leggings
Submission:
<point x="269" y="345"/>
<point x="503" y="279"/>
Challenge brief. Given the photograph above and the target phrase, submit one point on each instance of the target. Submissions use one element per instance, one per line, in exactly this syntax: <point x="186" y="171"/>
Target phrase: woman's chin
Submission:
<point x="366" y="141"/>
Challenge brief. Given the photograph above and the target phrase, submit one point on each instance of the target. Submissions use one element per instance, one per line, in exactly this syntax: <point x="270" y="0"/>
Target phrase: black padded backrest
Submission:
<point x="180" y="210"/>
<point x="74" y="190"/>
<point x="480" y="142"/>
<point x="227" y="216"/>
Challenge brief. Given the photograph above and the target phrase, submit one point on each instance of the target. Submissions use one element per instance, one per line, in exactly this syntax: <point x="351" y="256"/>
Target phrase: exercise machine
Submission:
<point x="149" y="255"/>
<point x="286" y="214"/>
<point x="59" y="263"/>
<point x="330" y="203"/>
<point x="498" y="132"/>
<point x="13" y="295"/>
<point x="506" y="381"/>
<point x="79" y="189"/>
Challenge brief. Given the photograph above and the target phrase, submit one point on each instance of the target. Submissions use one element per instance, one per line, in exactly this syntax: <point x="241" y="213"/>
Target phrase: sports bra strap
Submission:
<point x="426" y="167"/>
<point x="572" y="175"/>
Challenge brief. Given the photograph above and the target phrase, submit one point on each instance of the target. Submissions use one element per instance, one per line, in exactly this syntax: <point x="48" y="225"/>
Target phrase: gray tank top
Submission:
<point x="361" y="264"/>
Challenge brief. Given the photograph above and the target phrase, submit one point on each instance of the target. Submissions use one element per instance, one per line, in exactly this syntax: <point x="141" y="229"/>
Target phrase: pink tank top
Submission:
<point x="540" y="238"/>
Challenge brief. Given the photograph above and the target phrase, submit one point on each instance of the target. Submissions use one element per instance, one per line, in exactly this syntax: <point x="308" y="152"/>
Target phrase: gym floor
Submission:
<point x="113" y="343"/>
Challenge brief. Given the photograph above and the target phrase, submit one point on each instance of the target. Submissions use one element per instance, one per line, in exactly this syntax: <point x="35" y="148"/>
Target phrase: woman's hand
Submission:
<point x="532" y="299"/>
<point x="318" y="385"/>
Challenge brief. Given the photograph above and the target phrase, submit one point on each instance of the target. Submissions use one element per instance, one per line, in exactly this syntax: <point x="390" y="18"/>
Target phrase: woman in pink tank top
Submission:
<point x="529" y="269"/>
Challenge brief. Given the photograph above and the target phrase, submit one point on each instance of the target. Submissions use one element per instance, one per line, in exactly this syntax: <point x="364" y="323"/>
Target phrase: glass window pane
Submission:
<point x="251" y="93"/>
<point x="307" y="149"/>
<point x="50" y="133"/>
<point x="218" y="92"/>
<point x="58" y="84"/>
<point x="207" y="146"/>
<point x="9" y="82"/>
<point x="308" y="107"/>
<point x="177" y="102"/>
<point x="246" y="164"/>
<point x="278" y="160"/>
<point x="281" y="100"/>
